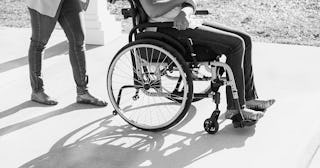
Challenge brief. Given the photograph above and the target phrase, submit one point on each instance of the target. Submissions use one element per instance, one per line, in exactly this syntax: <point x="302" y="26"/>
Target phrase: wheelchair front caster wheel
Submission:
<point x="211" y="126"/>
<point x="135" y="97"/>
<point x="114" y="112"/>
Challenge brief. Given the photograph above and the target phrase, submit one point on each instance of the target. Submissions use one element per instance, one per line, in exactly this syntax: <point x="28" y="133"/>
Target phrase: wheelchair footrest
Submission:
<point x="244" y="123"/>
<point x="238" y="122"/>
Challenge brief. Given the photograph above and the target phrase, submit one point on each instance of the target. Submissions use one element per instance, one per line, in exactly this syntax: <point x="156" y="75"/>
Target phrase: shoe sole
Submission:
<point x="229" y="116"/>
<point x="44" y="102"/>
<point x="244" y="123"/>
<point x="92" y="103"/>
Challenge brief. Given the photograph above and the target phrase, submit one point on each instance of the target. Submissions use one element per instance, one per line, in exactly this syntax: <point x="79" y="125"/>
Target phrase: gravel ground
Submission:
<point x="275" y="21"/>
<point x="13" y="13"/>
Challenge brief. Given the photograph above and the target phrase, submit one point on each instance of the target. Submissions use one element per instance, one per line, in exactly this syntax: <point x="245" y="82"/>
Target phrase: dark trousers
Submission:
<point x="69" y="17"/>
<point x="236" y="45"/>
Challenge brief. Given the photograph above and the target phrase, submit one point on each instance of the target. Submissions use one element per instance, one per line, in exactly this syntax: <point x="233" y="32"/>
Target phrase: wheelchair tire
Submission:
<point x="141" y="98"/>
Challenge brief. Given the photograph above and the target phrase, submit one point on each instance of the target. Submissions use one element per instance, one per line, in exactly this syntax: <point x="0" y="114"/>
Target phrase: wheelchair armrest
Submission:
<point x="147" y="25"/>
<point x="155" y="24"/>
<point x="163" y="24"/>
<point x="201" y="12"/>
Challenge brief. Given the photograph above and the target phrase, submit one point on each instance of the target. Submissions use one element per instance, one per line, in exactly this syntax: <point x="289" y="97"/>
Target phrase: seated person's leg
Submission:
<point x="251" y="96"/>
<point x="233" y="47"/>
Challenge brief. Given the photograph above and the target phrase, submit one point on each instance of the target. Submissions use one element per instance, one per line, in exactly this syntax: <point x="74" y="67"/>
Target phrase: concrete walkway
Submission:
<point x="78" y="136"/>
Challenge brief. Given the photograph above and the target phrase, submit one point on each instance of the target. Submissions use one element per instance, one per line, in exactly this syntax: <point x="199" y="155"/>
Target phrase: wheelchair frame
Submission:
<point x="137" y="33"/>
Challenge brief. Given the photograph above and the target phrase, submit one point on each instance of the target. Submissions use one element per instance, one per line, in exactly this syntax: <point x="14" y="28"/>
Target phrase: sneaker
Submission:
<point x="247" y="114"/>
<point x="259" y="105"/>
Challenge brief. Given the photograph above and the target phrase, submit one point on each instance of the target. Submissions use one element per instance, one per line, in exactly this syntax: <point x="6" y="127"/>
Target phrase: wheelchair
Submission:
<point x="150" y="81"/>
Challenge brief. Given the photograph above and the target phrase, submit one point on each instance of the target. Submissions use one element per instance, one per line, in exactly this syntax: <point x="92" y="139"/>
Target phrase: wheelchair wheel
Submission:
<point x="139" y="89"/>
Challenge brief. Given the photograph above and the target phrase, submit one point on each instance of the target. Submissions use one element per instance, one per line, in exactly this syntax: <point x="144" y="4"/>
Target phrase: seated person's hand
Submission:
<point x="181" y="21"/>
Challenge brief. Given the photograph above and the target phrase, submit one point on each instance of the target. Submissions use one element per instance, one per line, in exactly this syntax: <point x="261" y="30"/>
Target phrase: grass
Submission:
<point x="14" y="13"/>
<point x="275" y="21"/>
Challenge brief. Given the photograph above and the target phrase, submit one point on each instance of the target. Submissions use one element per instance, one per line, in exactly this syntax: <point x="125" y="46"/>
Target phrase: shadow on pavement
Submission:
<point x="15" y="109"/>
<point x="58" y="49"/>
<point x="99" y="145"/>
<point x="28" y="104"/>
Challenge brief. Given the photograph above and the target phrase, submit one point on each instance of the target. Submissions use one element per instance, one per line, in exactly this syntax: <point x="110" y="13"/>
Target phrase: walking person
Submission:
<point x="44" y="15"/>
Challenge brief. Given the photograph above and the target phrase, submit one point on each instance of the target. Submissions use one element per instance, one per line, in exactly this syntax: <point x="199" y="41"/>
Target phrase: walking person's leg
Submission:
<point x="42" y="27"/>
<point x="71" y="20"/>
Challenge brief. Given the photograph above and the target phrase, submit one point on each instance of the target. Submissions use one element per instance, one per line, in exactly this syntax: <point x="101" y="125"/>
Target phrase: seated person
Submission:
<point x="236" y="45"/>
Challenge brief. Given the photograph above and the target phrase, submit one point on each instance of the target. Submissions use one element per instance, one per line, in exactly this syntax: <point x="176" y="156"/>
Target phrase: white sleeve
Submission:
<point x="193" y="3"/>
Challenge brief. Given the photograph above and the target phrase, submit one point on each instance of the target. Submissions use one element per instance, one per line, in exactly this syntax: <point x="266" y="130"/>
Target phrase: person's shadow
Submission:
<point x="17" y="108"/>
<point x="30" y="104"/>
<point x="104" y="145"/>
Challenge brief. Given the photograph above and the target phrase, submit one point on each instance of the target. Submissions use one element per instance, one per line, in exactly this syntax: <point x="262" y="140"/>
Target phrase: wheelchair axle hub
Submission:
<point x="146" y="86"/>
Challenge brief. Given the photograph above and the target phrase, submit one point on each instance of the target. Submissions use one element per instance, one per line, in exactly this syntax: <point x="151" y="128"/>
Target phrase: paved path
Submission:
<point x="73" y="135"/>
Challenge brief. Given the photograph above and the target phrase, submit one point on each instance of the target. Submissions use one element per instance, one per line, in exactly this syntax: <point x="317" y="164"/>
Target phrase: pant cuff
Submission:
<point x="82" y="90"/>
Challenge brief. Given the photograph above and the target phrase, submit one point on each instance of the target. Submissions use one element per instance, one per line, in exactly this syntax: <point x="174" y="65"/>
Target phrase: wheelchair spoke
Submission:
<point x="125" y="77"/>
<point x="164" y="71"/>
<point x="141" y="84"/>
<point x="140" y="60"/>
<point x="170" y="94"/>
<point x="151" y="57"/>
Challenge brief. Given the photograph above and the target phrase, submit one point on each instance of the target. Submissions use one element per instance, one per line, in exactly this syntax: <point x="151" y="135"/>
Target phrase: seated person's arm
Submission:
<point x="188" y="8"/>
<point x="156" y="8"/>
<point x="191" y="3"/>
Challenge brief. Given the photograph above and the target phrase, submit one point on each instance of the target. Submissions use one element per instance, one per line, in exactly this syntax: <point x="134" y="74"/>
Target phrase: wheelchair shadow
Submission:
<point x="29" y="104"/>
<point x="55" y="50"/>
<point x="99" y="144"/>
